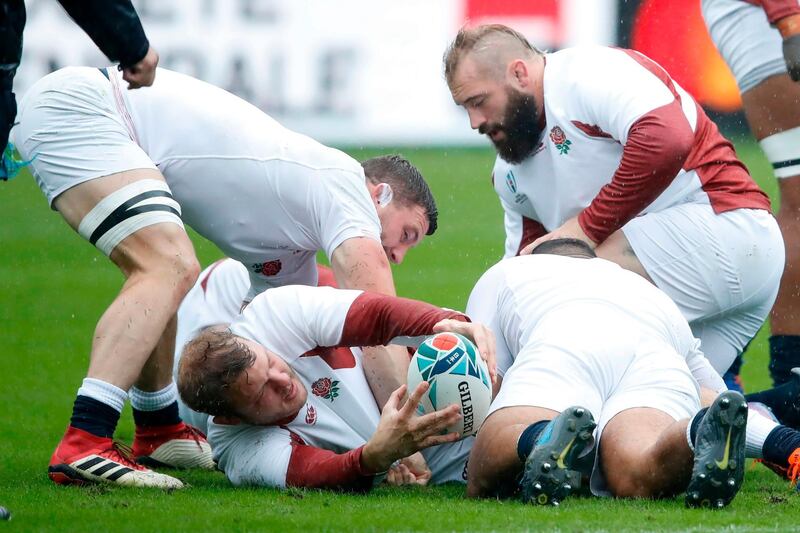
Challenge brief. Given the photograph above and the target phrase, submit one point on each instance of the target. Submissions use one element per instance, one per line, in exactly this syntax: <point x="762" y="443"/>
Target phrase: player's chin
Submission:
<point x="301" y="395"/>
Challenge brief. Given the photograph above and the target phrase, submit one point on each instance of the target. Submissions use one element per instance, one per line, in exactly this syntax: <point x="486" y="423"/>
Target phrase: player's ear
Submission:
<point x="227" y="420"/>
<point x="519" y="73"/>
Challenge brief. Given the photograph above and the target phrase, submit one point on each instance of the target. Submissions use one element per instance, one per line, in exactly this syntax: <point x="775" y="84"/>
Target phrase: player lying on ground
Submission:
<point x="762" y="58"/>
<point x="600" y="144"/>
<point x="578" y="340"/>
<point x="289" y="399"/>
<point x="110" y="160"/>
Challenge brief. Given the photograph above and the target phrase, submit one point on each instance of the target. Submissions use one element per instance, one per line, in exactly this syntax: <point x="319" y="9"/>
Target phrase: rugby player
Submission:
<point x="600" y="144"/>
<point x="289" y="398"/>
<point x="215" y="300"/>
<point x="764" y="61"/>
<point x="581" y="342"/>
<point x="126" y="168"/>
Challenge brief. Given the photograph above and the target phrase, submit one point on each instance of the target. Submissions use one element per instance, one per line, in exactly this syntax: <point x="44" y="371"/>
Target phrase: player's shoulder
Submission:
<point x="279" y="299"/>
<point x="588" y="65"/>
<point x="564" y="62"/>
<point x="501" y="173"/>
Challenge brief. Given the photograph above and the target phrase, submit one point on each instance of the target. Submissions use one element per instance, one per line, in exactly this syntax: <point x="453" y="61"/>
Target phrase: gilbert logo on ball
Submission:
<point x="457" y="375"/>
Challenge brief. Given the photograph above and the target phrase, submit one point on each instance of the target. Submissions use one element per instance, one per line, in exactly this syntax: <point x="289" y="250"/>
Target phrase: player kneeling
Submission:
<point x="591" y="351"/>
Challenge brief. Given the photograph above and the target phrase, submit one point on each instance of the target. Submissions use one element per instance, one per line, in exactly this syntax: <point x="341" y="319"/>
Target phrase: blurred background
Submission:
<point x="367" y="72"/>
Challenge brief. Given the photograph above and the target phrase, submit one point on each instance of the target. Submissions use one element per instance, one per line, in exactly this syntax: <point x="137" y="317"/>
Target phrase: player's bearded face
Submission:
<point x="519" y="126"/>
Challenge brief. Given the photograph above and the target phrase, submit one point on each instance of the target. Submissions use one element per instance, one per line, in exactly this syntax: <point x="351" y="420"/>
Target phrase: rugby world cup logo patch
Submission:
<point x="511" y="182"/>
<point x="559" y="138"/>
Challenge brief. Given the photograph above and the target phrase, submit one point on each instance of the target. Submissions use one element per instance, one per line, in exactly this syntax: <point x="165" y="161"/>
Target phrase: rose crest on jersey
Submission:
<point x="267" y="268"/>
<point x="325" y="388"/>
<point x="559" y="138"/>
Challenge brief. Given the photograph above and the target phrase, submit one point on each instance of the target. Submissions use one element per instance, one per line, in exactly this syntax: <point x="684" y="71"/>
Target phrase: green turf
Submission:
<point x="54" y="286"/>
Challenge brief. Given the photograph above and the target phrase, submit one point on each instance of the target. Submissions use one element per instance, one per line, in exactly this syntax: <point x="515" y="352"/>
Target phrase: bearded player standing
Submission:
<point x="600" y="144"/>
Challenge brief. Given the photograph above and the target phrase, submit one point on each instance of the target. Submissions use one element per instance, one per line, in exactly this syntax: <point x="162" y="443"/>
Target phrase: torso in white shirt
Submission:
<point x="267" y="196"/>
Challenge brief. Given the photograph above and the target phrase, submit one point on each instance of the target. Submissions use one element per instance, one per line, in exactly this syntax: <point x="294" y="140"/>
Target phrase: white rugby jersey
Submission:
<point x="621" y="138"/>
<point x="267" y="196"/>
<point x="321" y="447"/>
<point x="517" y="293"/>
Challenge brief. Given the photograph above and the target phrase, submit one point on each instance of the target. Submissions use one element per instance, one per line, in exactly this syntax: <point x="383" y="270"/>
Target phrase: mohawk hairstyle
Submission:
<point x="479" y="38"/>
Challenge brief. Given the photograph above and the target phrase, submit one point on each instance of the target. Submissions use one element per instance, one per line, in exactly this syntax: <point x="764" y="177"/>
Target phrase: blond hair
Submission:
<point x="210" y="365"/>
<point x="494" y="41"/>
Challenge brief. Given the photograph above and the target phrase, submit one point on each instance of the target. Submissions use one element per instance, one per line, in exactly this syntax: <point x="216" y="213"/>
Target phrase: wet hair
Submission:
<point x="408" y="186"/>
<point x="485" y="38"/>
<point x="571" y="247"/>
<point x="211" y="363"/>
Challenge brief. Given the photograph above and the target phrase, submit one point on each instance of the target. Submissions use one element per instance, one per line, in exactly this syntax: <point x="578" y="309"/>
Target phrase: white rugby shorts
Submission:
<point x="593" y="356"/>
<point x="723" y="271"/>
<point x="750" y="46"/>
<point x="72" y="124"/>
<point x="448" y="462"/>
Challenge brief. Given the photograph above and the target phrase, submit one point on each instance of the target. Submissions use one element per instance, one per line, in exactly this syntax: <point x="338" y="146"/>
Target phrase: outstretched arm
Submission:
<point x="275" y="457"/>
<point x="115" y="28"/>
<point x="361" y="263"/>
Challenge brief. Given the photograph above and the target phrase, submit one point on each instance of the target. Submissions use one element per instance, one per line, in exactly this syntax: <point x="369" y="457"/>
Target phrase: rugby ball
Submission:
<point x="457" y="375"/>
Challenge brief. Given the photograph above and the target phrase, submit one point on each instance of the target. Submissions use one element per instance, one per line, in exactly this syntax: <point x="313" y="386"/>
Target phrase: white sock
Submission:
<point x="104" y="392"/>
<point x="153" y="401"/>
<point x="758" y="428"/>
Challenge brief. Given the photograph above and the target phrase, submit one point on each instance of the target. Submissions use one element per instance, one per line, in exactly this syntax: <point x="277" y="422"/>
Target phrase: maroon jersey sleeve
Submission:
<point x="531" y="230"/>
<point x="325" y="277"/>
<point x="311" y="467"/>
<point x="657" y="147"/>
<point x="778" y="9"/>
<point x="375" y="319"/>
<point x="659" y="144"/>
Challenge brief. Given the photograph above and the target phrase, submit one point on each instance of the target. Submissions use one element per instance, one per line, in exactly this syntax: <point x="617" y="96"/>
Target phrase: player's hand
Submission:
<point x="418" y="467"/>
<point x="571" y="229"/>
<point x="482" y="336"/>
<point x="412" y="470"/>
<point x="790" y="31"/>
<point x="401" y="433"/>
<point x="142" y="73"/>
<point x="400" y="475"/>
<point x="791" y="54"/>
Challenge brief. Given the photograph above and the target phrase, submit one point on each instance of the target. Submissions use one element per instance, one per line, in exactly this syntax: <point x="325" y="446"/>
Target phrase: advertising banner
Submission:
<point x="349" y="72"/>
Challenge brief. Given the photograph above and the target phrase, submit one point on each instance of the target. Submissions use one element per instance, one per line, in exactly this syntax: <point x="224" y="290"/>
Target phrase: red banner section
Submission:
<point x="672" y="32"/>
<point x="541" y="20"/>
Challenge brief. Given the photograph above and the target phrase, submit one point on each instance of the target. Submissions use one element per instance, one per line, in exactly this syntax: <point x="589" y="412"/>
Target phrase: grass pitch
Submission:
<point x="54" y="286"/>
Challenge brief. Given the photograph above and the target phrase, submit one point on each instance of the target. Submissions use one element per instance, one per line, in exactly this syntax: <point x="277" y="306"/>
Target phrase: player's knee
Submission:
<point x="162" y="254"/>
<point x="187" y="270"/>
<point x="630" y="481"/>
